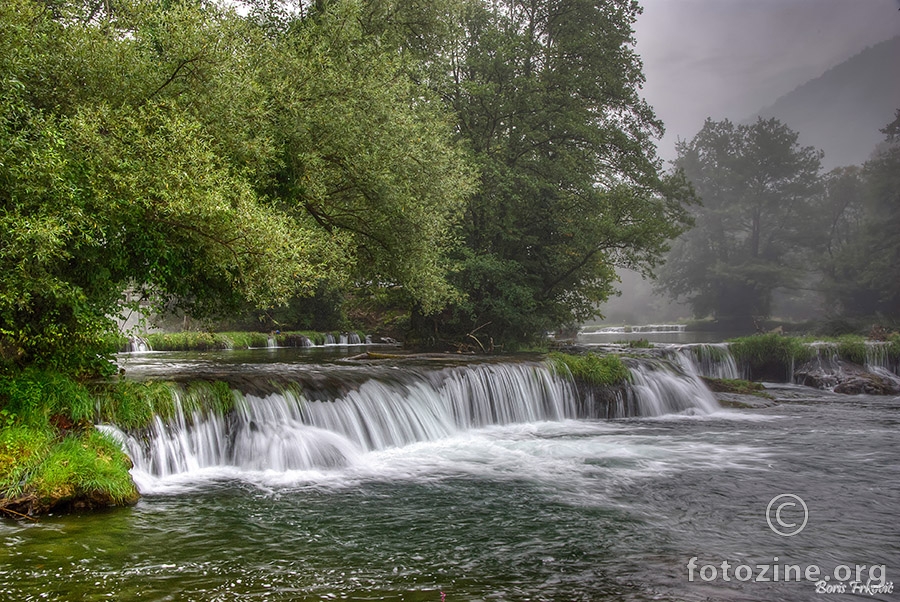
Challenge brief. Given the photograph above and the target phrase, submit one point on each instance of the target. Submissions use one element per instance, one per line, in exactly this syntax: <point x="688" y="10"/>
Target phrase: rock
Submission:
<point x="869" y="384"/>
<point x="845" y="377"/>
<point x="743" y="401"/>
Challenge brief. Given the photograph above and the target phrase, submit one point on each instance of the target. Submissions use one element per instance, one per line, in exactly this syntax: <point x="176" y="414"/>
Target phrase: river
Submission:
<point x="534" y="506"/>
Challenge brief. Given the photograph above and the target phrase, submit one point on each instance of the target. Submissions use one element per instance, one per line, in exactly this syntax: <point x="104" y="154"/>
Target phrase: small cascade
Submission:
<point x="661" y="387"/>
<point x="353" y="339"/>
<point x="879" y="359"/>
<point x="713" y="360"/>
<point x="323" y="424"/>
<point x="137" y="345"/>
<point x="342" y="339"/>
<point x="329" y="339"/>
<point x="271" y="343"/>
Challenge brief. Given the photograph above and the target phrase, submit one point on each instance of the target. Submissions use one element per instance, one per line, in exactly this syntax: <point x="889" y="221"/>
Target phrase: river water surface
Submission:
<point x="564" y="509"/>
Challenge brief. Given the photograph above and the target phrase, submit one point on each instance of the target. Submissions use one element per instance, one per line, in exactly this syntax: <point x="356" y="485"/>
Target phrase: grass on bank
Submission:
<point x="852" y="348"/>
<point x="51" y="456"/>
<point x="212" y="341"/>
<point x="600" y="370"/>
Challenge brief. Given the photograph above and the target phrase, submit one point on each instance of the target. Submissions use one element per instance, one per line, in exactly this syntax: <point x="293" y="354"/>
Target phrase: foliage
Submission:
<point x="862" y="273"/>
<point x="34" y="396"/>
<point x="131" y="404"/>
<point x="758" y="188"/>
<point x="853" y="349"/>
<point x="84" y="466"/>
<point x="636" y="344"/>
<point x="762" y="347"/>
<point x="40" y="472"/>
<point x="202" y="160"/>
<point x="185" y="341"/>
<point x="22" y="449"/>
<point x="547" y="96"/>
<point x="591" y="368"/>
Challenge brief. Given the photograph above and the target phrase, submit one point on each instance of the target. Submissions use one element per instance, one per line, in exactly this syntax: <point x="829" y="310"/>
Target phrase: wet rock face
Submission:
<point x="870" y="384"/>
<point x="845" y="377"/>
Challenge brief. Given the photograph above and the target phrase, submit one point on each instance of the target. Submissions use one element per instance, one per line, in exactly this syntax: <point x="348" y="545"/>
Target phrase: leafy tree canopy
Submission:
<point x="207" y="159"/>
<point x="547" y="96"/>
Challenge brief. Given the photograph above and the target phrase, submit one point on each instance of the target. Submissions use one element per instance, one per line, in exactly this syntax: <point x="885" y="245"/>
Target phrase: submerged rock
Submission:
<point x="742" y="400"/>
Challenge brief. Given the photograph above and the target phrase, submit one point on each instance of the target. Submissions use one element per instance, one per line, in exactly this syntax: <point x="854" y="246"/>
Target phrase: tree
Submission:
<point x="758" y="189"/>
<point x="863" y="276"/>
<point x="547" y="96"/>
<point x="208" y="160"/>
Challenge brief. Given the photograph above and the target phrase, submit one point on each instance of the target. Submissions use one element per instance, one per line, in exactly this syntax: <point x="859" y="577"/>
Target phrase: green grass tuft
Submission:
<point x="34" y="396"/>
<point x="22" y="449"/>
<point x="852" y="349"/>
<point x="87" y="465"/>
<point x="601" y="370"/>
<point x="764" y="347"/>
<point x="735" y="385"/>
<point x="132" y="405"/>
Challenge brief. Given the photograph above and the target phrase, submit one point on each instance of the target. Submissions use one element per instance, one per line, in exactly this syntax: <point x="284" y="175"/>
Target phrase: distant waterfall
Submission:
<point x="299" y="429"/>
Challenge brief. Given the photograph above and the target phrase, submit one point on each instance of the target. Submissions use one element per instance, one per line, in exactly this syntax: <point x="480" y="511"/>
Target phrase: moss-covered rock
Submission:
<point x="82" y="471"/>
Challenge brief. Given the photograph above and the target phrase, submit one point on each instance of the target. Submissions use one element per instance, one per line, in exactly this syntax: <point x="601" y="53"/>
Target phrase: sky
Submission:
<point x="732" y="58"/>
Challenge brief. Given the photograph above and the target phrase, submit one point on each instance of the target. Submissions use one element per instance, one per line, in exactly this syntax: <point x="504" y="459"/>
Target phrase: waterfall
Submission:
<point x="137" y="344"/>
<point x="304" y="427"/>
<point x="879" y="360"/>
<point x="663" y="387"/>
<point x="713" y="360"/>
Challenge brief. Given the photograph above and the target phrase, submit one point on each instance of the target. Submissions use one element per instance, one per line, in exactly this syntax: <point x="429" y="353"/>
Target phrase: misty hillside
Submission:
<point x="841" y="111"/>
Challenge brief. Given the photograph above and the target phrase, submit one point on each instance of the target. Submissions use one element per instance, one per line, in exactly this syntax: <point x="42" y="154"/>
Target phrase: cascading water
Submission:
<point x="660" y="387"/>
<point x="878" y="356"/>
<point x="301" y="429"/>
<point x="137" y="345"/>
<point x="713" y="360"/>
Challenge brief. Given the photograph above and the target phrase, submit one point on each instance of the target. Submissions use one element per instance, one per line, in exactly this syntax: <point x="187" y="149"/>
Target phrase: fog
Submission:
<point x="732" y="59"/>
